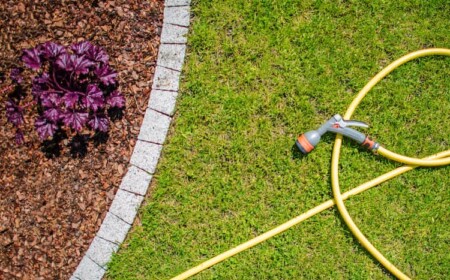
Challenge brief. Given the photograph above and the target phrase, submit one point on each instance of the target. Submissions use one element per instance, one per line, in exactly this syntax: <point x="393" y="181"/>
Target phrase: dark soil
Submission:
<point x="52" y="206"/>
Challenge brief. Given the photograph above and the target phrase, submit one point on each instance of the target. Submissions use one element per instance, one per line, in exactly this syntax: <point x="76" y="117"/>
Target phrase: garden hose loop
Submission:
<point x="382" y="151"/>
<point x="439" y="159"/>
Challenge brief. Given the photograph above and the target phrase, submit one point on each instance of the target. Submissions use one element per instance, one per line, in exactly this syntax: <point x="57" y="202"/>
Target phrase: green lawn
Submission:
<point x="257" y="74"/>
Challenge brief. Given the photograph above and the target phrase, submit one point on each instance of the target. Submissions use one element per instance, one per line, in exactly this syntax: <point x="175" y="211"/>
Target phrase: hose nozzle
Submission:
<point x="308" y="141"/>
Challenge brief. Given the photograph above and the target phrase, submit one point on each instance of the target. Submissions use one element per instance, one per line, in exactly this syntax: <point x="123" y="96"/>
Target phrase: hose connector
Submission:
<point x="336" y="124"/>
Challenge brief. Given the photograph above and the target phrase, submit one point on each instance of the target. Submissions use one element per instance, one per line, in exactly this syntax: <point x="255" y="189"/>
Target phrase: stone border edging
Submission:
<point x="149" y="144"/>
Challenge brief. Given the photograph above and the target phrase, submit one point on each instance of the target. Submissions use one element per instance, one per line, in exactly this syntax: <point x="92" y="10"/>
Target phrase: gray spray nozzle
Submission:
<point x="308" y="141"/>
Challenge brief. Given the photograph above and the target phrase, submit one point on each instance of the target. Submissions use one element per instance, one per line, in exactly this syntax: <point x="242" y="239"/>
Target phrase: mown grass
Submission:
<point x="257" y="74"/>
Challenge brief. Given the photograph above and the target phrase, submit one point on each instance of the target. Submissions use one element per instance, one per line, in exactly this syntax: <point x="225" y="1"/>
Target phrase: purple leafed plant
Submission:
<point x="74" y="87"/>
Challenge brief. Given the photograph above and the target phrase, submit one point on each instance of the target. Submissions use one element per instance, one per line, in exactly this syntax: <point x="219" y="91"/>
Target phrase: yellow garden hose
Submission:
<point x="382" y="151"/>
<point x="439" y="159"/>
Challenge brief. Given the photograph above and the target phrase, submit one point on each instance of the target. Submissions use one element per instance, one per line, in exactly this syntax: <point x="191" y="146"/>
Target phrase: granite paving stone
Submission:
<point x="178" y="15"/>
<point x="113" y="229"/>
<point x="125" y="205"/>
<point x="87" y="270"/>
<point x="171" y="56"/>
<point x="145" y="156"/>
<point x="173" y="34"/>
<point x="169" y="3"/>
<point x="154" y="127"/>
<point x="166" y="79"/>
<point x="163" y="101"/>
<point x="100" y="251"/>
<point x="136" y="181"/>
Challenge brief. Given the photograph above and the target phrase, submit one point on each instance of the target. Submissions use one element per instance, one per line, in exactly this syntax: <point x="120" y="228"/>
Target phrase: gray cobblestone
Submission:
<point x="171" y="56"/>
<point x="145" y="156"/>
<point x="177" y="15"/>
<point x="100" y="251"/>
<point x="88" y="270"/>
<point x="154" y="127"/>
<point x="126" y="205"/>
<point x="169" y="3"/>
<point x="172" y="34"/>
<point x="166" y="79"/>
<point x="136" y="181"/>
<point x="113" y="229"/>
<point x="163" y="101"/>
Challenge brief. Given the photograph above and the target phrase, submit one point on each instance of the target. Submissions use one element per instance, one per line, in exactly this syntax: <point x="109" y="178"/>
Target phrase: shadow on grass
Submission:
<point x="360" y="247"/>
<point x="296" y="154"/>
<point x="329" y="139"/>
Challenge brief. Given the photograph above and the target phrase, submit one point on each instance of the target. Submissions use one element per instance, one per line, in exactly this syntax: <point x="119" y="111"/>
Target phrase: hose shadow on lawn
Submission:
<point x="349" y="235"/>
<point x="329" y="139"/>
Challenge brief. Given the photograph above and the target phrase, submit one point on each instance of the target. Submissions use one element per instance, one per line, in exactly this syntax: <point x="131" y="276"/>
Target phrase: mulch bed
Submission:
<point x="52" y="207"/>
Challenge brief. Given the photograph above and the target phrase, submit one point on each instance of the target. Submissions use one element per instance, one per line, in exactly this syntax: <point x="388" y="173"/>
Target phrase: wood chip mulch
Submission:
<point x="51" y="208"/>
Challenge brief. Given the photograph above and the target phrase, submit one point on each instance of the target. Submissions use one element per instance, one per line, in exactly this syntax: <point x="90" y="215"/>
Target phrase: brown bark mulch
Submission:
<point x="52" y="207"/>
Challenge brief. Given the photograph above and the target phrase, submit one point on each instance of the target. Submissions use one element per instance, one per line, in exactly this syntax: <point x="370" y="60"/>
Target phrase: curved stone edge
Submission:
<point x="147" y="150"/>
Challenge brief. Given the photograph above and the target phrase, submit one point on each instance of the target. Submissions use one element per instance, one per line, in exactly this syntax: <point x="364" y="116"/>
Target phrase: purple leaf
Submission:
<point x="15" y="118"/>
<point x="50" y="99"/>
<point x="36" y="91"/>
<point x="16" y="76"/>
<point x="81" y="64"/>
<point x="94" y="98"/>
<point x="71" y="99"/>
<point x="106" y="75"/>
<point x="65" y="61"/>
<point x="39" y="85"/>
<point x="42" y="79"/>
<point x="81" y="48"/>
<point x="45" y="128"/>
<point x="52" y="50"/>
<point x="45" y="99"/>
<point x="54" y="98"/>
<point x="53" y="114"/>
<point x="19" y="137"/>
<point x="116" y="99"/>
<point x="31" y="58"/>
<point x="14" y="113"/>
<point x="75" y="120"/>
<point x="99" y="122"/>
<point x="97" y="54"/>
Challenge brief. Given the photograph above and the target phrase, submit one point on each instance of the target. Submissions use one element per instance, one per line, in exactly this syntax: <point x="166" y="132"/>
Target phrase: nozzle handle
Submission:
<point x="336" y="124"/>
<point x="349" y="132"/>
